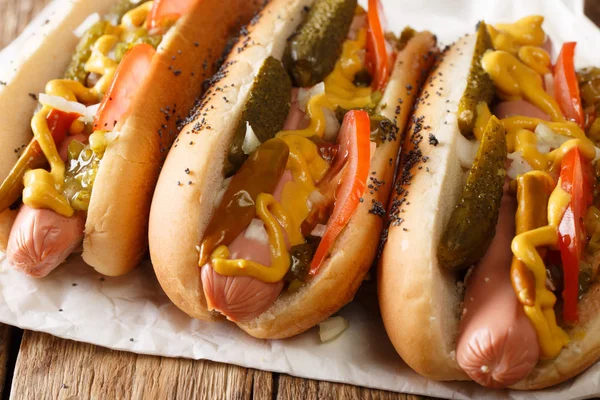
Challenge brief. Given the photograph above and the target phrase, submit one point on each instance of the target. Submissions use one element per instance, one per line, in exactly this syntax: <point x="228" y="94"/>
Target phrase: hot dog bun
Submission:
<point x="116" y="237"/>
<point x="184" y="203"/>
<point x="421" y="302"/>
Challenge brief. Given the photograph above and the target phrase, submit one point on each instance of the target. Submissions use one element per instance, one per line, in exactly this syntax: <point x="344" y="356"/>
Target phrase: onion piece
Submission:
<point x="332" y="125"/>
<point x="315" y="197"/>
<point x="111" y="136"/>
<point x="319" y="230"/>
<point x="251" y="142"/>
<point x="518" y="166"/>
<point x="61" y="104"/>
<point x="332" y="328"/>
<point x="305" y="94"/>
<point x="547" y="139"/>
<point x="466" y="151"/>
<point x="86" y="25"/>
<point x="256" y="231"/>
<point x="90" y="113"/>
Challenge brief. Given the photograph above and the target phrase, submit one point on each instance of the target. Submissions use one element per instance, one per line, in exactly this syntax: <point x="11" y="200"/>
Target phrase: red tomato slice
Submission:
<point x="354" y="141"/>
<point x="130" y="74"/>
<point x="59" y="123"/>
<point x="566" y="88"/>
<point x="378" y="60"/>
<point x="574" y="180"/>
<point x="166" y="11"/>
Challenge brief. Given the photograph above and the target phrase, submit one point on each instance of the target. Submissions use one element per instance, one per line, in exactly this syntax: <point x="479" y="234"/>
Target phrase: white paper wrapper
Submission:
<point x="132" y="313"/>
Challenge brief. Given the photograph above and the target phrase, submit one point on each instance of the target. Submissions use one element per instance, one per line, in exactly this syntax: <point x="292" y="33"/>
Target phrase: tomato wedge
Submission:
<point x="354" y="141"/>
<point x="378" y="60"/>
<point x="566" y="88"/>
<point x="59" y="123"/>
<point x="575" y="181"/>
<point x="130" y="74"/>
<point x="165" y="12"/>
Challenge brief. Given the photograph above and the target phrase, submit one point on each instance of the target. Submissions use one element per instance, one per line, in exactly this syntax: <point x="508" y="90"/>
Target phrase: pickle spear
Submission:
<point x="266" y="110"/>
<point x="313" y="50"/>
<point x="473" y="222"/>
<point x="479" y="85"/>
<point x="259" y="174"/>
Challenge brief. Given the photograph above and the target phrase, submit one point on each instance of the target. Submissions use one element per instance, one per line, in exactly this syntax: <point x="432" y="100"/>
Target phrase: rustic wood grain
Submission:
<point x="290" y="387"/>
<point x="6" y="336"/>
<point x="53" y="368"/>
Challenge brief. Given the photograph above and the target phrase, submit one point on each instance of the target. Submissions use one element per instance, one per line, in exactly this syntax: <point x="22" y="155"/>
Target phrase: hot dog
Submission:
<point x="494" y="277"/>
<point x="268" y="208"/>
<point x="87" y="162"/>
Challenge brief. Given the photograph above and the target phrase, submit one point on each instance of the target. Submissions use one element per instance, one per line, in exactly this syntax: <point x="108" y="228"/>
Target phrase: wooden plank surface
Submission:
<point x="53" y="368"/>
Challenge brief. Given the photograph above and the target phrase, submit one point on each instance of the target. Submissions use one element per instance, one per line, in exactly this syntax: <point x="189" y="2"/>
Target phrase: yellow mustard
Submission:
<point x="273" y="216"/>
<point x="43" y="189"/>
<point x="307" y="167"/>
<point x="526" y="143"/>
<point x="551" y="337"/>
<point x="514" y="80"/>
<point x="535" y="58"/>
<point x="526" y="32"/>
<point x="513" y="124"/>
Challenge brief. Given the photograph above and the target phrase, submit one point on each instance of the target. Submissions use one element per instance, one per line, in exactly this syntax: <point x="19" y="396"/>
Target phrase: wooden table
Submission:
<point x="36" y="365"/>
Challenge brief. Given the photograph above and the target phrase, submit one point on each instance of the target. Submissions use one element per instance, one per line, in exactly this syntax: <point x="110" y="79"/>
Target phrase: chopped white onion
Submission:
<point x="332" y="125"/>
<point x="466" y="151"/>
<point x="111" y="136"/>
<point x="251" y="142"/>
<point x="90" y="113"/>
<point x="61" y="104"/>
<point x="316" y="197"/>
<point x="518" y="166"/>
<point x="256" y="231"/>
<point x="332" y="328"/>
<point x="305" y="94"/>
<point x="86" y="24"/>
<point x="547" y="139"/>
<point x="319" y="230"/>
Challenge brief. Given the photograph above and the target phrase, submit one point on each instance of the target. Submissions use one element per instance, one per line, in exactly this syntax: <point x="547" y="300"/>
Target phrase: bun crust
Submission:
<point x="180" y="215"/>
<point x="420" y="301"/>
<point x="117" y="223"/>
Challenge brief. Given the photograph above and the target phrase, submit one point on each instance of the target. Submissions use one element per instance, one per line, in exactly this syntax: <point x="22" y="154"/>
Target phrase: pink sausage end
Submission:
<point x="40" y="240"/>
<point x="497" y="344"/>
